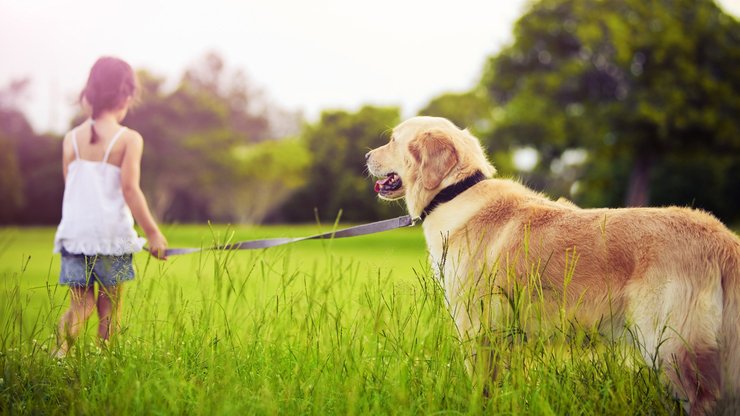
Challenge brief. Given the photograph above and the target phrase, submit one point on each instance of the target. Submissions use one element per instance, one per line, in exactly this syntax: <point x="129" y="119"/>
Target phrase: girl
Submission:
<point x="96" y="237"/>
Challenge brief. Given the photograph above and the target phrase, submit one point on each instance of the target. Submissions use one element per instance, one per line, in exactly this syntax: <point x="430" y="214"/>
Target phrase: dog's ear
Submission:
<point x="436" y="155"/>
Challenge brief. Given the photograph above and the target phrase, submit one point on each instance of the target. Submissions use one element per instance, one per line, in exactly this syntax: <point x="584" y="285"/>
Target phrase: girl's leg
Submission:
<point x="82" y="304"/>
<point x="109" y="310"/>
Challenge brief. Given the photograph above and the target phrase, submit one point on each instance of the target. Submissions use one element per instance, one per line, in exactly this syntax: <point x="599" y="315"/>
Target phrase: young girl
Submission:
<point x="96" y="237"/>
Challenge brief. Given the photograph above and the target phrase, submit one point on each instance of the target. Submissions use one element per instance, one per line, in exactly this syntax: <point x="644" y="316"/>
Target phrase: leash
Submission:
<point x="445" y="195"/>
<point x="371" y="228"/>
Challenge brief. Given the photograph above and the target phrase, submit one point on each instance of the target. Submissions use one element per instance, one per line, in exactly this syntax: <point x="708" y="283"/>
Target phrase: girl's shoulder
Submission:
<point x="79" y="127"/>
<point x="75" y="131"/>
<point x="69" y="136"/>
<point x="131" y="141"/>
<point x="131" y="135"/>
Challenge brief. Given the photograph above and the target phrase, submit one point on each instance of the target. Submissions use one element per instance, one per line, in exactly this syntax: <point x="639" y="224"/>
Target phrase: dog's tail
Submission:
<point x="731" y="322"/>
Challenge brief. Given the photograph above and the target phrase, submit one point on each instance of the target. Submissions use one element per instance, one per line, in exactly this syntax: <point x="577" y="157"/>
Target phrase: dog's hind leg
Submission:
<point x="693" y="371"/>
<point x="677" y="326"/>
<point x="698" y="372"/>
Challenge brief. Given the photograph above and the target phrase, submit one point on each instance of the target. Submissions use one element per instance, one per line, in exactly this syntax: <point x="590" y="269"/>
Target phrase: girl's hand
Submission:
<point x="158" y="246"/>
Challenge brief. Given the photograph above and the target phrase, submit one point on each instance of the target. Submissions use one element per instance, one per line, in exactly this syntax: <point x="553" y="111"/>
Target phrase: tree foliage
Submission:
<point x="470" y="109"/>
<point x="337" y="180"/>
<point x="30" y="165"/>
<point x="11" y="189"/>
<point x="201" y="141"/>
<point x="641" y="85"/>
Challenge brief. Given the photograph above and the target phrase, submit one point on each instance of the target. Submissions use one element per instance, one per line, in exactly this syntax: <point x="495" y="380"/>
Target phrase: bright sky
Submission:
<point x="305" y="55"/>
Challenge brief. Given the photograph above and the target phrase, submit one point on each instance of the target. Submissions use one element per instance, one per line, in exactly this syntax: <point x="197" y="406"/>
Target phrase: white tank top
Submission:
<point x="95" y="217"/>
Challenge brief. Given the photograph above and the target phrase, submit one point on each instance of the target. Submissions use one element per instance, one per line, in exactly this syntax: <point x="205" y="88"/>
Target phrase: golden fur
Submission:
<point x="671" y="276"/>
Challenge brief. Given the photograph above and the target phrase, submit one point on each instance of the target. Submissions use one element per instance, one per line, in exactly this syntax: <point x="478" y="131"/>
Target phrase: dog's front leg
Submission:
<point x="482" y="358"/>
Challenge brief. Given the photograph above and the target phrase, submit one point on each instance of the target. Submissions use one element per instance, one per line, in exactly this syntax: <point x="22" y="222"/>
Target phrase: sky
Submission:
<point x="304" y="55"/>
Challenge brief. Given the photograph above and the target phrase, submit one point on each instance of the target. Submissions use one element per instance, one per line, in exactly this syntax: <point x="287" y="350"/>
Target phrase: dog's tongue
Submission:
<point x="380" y="183"/>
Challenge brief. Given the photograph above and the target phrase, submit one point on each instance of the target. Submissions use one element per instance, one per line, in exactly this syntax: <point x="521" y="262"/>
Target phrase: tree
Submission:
<point x="337" y="180"/>
<point x="244" y="104"/>
<point x="30" y="165"/>
<point x="13" y="128"/>
<point x="271" y="172"/>
<point x="208" y="153"/>
<point x="634" y="82"/>
<point x="187" y="144"/>
<point x="11" y="188"/>
<point x="470" y="109"/>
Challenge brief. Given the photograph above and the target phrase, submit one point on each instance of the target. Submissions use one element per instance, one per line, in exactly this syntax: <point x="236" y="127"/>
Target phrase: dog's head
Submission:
<point x="423" y="156"/>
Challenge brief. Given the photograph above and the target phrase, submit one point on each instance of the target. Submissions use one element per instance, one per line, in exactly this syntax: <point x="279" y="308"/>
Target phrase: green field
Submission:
<point x="351" y="326"/>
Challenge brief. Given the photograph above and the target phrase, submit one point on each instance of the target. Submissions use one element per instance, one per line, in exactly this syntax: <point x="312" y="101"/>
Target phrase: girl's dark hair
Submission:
<point x="110" y="83"/>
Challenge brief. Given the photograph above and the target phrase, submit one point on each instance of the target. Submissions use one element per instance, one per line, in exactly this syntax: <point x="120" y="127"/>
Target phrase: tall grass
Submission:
<point x="341" y="327"/>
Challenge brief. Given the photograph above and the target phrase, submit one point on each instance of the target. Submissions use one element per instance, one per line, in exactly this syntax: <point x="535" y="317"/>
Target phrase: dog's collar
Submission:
<point x="449" y="193"/>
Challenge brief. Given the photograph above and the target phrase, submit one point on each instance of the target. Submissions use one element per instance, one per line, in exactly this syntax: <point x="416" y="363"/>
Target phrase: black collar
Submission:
<point x="450" y="192"/>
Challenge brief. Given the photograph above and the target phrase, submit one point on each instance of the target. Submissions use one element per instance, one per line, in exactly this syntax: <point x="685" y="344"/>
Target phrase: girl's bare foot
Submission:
<point x="60" y="352"/>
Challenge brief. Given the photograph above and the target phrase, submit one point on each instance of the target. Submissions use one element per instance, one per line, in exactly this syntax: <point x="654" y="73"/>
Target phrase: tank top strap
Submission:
<point x="112" y="142"/>
<point x="74" y="144"/>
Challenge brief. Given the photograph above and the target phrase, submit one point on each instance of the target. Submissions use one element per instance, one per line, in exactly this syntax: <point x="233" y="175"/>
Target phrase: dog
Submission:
<point x="669" y="276"/>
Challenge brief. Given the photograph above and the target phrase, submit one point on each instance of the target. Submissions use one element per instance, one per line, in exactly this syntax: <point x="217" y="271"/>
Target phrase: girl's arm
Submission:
<point x="130" y="178"/>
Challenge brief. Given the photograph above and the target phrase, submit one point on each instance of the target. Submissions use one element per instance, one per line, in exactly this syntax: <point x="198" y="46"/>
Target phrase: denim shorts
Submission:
<point x="80" y="270"/>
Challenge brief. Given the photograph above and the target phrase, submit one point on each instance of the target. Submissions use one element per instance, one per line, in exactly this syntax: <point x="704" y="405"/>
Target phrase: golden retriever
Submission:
<point x="670" y="276"/>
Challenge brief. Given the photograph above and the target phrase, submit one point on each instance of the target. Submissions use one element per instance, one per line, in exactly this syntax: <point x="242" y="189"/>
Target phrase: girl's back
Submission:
<point x="96" y="151"/>
<point x="95" y="216"/>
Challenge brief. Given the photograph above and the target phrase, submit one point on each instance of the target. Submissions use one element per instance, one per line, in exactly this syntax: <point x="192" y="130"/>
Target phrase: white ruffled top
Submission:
<point x="95" y="216"/>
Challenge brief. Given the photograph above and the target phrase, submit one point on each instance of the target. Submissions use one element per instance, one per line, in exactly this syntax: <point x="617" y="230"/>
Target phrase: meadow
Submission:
<point x="350" y="326"/>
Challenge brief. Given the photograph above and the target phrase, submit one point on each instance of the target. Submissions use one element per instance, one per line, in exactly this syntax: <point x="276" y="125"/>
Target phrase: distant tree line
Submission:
<point x="625" y="102"/>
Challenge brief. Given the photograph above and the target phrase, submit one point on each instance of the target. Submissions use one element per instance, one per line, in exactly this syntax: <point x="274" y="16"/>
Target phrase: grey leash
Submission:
<point x="372" y="228"/>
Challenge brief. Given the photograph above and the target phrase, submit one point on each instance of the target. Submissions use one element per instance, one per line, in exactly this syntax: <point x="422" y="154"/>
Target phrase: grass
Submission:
<point x="352" y="326"/>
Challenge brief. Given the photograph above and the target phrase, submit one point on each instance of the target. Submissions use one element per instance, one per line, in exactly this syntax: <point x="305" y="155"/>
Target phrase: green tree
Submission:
<point x="11" y="187"/>
<point x="470" y="109"/>
<point x="634" y="82"/>
<point x="271" y="172"/>
<point x="187" y="145"/>
<point x="244" y="104"/>
<point x="337" y="180"/>
<point x="13" y="128"/>
<point x="30" y="165"/>
<point x="207" y="154"/>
